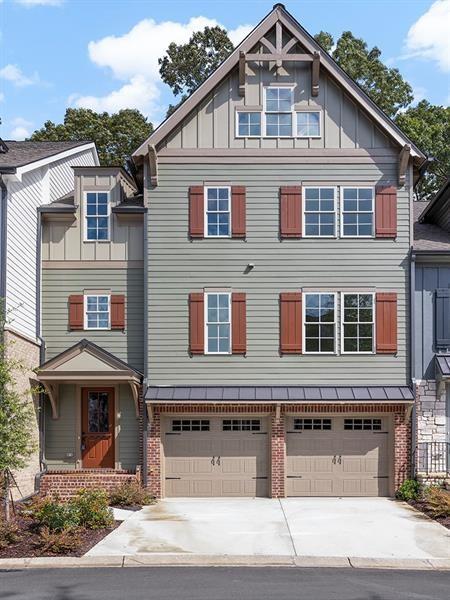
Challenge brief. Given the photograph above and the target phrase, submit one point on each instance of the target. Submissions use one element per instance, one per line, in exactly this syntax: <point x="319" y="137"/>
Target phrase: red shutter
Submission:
<point x="291" y="323"/>
<point x="196" y="211"/>
<point x="386" y="212"/>
<point x="238" y="323"/>
<point x="238" y="227"/>
<point x="386" y="317"/>
<point x="196" y="323"/>
<point x="291" y="211"/>
<point x="76" y="312"/>
<point x="118" y="311"/>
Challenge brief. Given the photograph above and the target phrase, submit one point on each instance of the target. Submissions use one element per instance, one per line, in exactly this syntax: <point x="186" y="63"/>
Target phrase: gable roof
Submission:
<point x="439" y="201"/>
<point x="279" y="13"/>
<point x="19" y="154"/>
<point x="428" y="236"/>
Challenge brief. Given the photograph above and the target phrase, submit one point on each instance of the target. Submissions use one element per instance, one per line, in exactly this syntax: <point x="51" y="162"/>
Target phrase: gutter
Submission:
<point x="145" y="346"/>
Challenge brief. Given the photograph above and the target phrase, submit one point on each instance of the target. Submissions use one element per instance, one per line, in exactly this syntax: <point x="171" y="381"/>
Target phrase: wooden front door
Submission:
<point x="97" y="421"/>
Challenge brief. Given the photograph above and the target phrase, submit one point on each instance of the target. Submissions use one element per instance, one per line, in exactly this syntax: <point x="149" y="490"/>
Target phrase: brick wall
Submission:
<point x="65" y="484"/>
<point x="278" y="456"/>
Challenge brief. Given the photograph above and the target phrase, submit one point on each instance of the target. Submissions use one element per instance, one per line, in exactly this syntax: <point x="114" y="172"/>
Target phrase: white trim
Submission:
<point x="341" y="211"/>
<point x="373" y="323"/>
<point x="205" y="211"/>
<point x="335" y="323"/>
<point x="205" y="308"/>
<point x="279" y="112"/>
<point x="85" y="215"/>
<point x="334" y="188"/>
<point x="85" y="320"/>
<point x="236" y="132"/>
<point x="309" y="110"/>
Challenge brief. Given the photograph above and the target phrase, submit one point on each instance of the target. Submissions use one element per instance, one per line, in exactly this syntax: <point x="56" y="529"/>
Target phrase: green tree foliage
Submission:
<point x="428" y="126"/>
<point x="116" y="136"/>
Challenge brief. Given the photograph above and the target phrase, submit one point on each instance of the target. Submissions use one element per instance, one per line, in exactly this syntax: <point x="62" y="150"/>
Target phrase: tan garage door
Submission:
<point x="215" y="456"/>
<point x="334" y="456"/>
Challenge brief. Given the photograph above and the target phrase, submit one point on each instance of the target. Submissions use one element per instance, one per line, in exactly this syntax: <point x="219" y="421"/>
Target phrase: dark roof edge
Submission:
<point x="435" y="202"/>
<point x="56" y="209"/>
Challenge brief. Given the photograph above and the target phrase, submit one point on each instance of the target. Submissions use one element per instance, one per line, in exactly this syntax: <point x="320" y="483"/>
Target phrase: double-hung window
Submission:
<point x="97" y="216"/>
<point x="278" y="111"/>
<point x="97" y="312"/>
<point x="308" y="124"/>
<point x="218" y="323"/>
<point x="319" y="212"/>
<point x="218" y="212"/>
<point x="357" y="211"/>
<point x="249" y="124"/>
<point x="358" y="323"/>
<point x="320" y="323"/>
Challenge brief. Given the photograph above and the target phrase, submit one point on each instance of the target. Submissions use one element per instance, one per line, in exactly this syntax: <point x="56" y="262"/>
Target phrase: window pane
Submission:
<point x="213" y="345"/>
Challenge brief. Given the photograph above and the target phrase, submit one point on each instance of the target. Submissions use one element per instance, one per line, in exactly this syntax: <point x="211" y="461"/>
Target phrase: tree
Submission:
<point x="116" y="136"/>
<point x="385" y="86"/>
<point x="428" y="126"/>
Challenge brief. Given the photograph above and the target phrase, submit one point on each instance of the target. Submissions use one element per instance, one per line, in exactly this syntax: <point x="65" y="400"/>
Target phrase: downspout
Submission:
<point x="3" y="242"/>
<point x="145" y="345"/>
<point x="412" y="322"/>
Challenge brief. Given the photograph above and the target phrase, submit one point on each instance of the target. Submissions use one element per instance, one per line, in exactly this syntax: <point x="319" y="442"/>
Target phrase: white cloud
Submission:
<point x="40" y="2"/>
<point x="21" y="128"/>
<point x="429" y="37"/>
<point x="15" y="75"/>
<point x="133" y="59"/>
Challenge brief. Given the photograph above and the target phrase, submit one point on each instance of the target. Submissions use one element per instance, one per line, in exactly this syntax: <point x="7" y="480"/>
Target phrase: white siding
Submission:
<point x="61" y="173"/>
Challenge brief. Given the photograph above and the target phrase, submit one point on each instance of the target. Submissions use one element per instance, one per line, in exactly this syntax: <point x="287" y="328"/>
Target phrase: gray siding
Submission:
<point x="129" y="430"/>
<point x="58" y="284"/>
<point x="428" y="278"/>
<point x="61" y="434"/>
<point x="178" y="266"/>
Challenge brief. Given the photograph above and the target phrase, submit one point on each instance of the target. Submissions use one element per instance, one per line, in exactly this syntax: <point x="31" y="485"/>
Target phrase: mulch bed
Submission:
<point x="422" y="505"/>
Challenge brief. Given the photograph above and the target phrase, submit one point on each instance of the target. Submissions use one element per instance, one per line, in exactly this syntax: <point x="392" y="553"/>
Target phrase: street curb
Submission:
<point x="203" y="560"/>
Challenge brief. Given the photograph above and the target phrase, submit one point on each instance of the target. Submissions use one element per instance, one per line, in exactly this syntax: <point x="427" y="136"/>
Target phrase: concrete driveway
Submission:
<point x="347" y="527"/>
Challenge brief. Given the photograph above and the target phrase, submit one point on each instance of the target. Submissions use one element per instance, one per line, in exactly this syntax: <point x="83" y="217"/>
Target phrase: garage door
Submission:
<point x="215" y="456"/>
<point x="334" y="456"/>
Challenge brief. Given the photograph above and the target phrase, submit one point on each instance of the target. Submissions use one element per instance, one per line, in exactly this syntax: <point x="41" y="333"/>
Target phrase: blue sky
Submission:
<point x="103" y="54"/>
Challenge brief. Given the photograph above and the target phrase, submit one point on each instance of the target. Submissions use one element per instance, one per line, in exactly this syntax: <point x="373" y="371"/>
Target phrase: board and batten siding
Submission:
<point x="59" y="284"/>
<point x="178" y="266"/>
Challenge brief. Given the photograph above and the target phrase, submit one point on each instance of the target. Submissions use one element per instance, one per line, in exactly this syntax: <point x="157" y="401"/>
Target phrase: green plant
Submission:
<point x="409" y="490"/>
<point x="438" y="501"/>
<point x="92" y="510"/>
<point x="130" y="494"/>
<point x="9" y="533"/>
<point x="54" y="515"/>
<point x="58" y="542"/>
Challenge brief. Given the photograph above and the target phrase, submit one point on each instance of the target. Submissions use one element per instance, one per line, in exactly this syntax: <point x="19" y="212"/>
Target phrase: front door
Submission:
<point x="97" y="420"/>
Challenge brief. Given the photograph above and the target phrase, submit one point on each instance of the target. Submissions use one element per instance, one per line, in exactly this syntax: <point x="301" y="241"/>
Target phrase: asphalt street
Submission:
<point x="218" y="583"/>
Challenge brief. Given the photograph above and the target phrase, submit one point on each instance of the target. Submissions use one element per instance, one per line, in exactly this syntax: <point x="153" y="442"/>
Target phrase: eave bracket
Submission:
<point x="403" y="160"/>
<point x="153" y="165"/>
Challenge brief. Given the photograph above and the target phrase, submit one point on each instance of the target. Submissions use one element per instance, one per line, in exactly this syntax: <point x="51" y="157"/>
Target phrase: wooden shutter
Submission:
<point x="386" y="212"/>
<point x="76" y="312"/>
<point x="291" y="323"/>
<point x="238" y="210"/>
<point x="291" y="211"/>
<point x="238" y="323"/>
<point x="386" y="319"/>
<point x="196" y="211"/>
<point x="442" y="318"/>
<point x="196" y="323"/>
<point x="118" y="311"/>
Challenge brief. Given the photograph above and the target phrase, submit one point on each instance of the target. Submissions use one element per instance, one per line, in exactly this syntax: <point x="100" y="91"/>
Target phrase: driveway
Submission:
<point x="355" y="527"/>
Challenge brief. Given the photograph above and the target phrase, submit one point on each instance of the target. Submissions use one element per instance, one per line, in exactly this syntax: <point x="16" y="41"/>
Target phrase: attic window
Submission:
<point x="97" y="211"/>
<point x="278" y="111"/>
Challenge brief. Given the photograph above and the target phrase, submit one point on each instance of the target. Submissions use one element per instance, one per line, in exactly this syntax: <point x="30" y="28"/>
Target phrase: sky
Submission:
<point x="103" y="54"/>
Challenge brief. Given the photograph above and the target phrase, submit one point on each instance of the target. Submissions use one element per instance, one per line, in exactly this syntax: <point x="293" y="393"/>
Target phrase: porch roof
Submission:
<point x="443" y="363"/>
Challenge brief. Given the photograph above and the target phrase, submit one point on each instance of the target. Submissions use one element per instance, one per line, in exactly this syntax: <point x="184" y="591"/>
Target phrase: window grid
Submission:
<point x="218" y="212"/>
<point x="308" y="124"/>
<point x="320" y="212"/>
<point x="97" y="216"/>
<point x="249" y="124"/>
<point x="358" y="323"/>
<point x="312" y="424"/>
<point x="97" y="312"/>
<point x="190" y="425"/>
<point x="362" y="424"/>
<point x="278" y="111"/>
<point x="218" y="323"/>
<point x="320" y="323"/>
<point x="357" y="212"/>
<point x="241" y="425"/>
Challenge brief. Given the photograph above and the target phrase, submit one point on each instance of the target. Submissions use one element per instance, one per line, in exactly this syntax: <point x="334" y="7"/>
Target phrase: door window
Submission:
<point x="98" y="421"/>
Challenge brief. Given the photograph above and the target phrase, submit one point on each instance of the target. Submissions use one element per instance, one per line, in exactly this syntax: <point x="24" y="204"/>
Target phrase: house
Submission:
<point x="430" y="280"/>
<point x="32" y="174"/>
<point x="272" y="340"/>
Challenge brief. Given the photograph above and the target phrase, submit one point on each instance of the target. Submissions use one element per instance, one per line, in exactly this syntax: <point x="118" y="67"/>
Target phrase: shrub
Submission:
<point x="130" y="494"/>
<point x="52" y="514"/>
<point x="92" y="510"/>
<point x="409" y="490"/>
<point x="438" y="501"/>
<point x="9" y="533"/>
<point x="58" y="542"/>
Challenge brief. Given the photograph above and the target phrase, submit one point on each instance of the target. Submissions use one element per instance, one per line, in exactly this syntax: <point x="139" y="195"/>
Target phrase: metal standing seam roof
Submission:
<point x="443" y="362"/>
<point x="290" y="393"/>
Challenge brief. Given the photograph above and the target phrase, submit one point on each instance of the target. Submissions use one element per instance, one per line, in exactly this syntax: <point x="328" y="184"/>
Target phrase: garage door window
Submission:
<point x="362" y="424"/>
<point x="241" y="425"/>
<point x="190" y="425"/>
<point x="312" y="424"/>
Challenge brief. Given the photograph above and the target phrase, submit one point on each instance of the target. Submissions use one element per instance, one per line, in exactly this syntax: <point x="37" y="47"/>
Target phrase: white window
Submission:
<point x="357" y="211"/>
<point x="358" y="323"/>
<point x="249" y="124"/>
<point x="218" y="212"/>
<point x="97" y="216"/>
<point x="278" y="111"/>
<point x="320" y="323"/>
<point x="319" y="212"/>
<point x="218" y="323"/>
<point x="308" y="124"/>
<point x="97" y="312"/>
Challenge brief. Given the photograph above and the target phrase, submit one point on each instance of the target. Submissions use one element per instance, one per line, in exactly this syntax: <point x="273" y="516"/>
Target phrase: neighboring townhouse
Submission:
<point x="32" y="174"/>
<point x="430" y="277"/>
